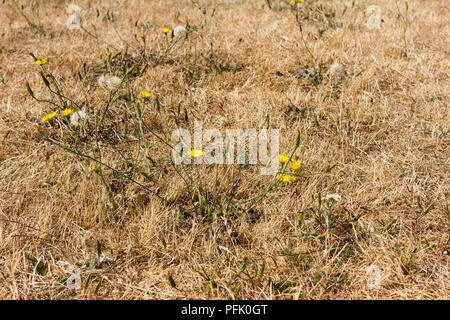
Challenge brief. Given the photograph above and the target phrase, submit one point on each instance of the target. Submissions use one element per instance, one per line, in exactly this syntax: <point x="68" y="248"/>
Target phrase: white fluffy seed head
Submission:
<point x="110" y="82"/>
<point x="333" y="196"/>
<point x="113" y="82"/>
<point x="336" y="69"/>
<point x="101" y="81"/>
<point x="179" y="31"/>
<point x="77" y="116"/>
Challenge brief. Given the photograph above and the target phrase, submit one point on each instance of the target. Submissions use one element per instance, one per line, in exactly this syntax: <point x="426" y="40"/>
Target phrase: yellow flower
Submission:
<point x="40" y="61"/>
<point x="142" y="36"/>
<point x="196" y="153"/>
<point x="49" y="116"/>
<point x="286" y="178"/>
<point x="283" y="158"/>
<point x="145" y="95"/>
<point x="295" y="165"/>
<point x="165" y="30"/>
<point x="94" y="167"/>
<point x="67" y="112"/>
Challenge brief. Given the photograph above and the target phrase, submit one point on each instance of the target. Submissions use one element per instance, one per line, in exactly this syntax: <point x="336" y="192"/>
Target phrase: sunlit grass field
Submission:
<point x="93" y="207"/>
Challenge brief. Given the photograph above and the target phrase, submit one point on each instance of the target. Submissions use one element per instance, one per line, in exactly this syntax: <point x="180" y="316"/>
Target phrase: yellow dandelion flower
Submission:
<point x="145" y="95"/>
<point x="283" y="158"/>
<point x="94" y="167"/>
<point x="40" y="61"/>
<point x="286" y="178"/>
<point x="142" y="36"/>
<point x="165" y="30"/>
<point x="196" y="153"/>
<point x="299" y="217"/>
<point x="295" y="165"/>
<point x="67" y="112"/>
<point x="48" y="117"/>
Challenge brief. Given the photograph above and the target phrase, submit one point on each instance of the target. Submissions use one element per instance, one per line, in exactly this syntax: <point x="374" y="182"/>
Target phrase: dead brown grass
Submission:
<point x="385" y="123"/>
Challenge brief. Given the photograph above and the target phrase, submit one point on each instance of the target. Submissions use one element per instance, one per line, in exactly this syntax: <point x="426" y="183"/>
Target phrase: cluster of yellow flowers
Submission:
<point x="286" y="178"/>
<point x="49" y="116"/>
<point x="66" y="112"/>
<point x="295" y="165"/>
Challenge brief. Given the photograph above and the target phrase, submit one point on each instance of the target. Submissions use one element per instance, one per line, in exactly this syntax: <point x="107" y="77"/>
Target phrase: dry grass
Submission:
<point x="384" y="121"/>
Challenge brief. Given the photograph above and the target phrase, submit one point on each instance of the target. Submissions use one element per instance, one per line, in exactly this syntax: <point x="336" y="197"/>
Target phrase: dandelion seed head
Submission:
<point x="333" y="196"/>
<point x="77" y="116"/>
<point x="110" y="82"/>
<point x="113" y="83"/>
<point x="101" y="81"/>
<point x="335" y="69"/>
<point x="179" y="31"/>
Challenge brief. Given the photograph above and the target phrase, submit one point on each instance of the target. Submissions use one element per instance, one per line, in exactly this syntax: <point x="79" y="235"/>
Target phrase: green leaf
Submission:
<point x="62" y="281"/>
<point x="93" y="264"/>
<point x="283" y="285"/>
<point x="388" y="226"/>
<point x="242" y="268"/>
<point x="98" y="287"/>
<point x="171" y="281"/>
<point x="157" y="106"/>
<point x="41" y="267"/>
<point x="88" y="279"/>
<point x="430" y="207"/>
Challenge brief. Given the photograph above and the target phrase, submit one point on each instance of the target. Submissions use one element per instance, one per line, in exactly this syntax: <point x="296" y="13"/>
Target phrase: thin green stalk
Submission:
<point x="48" y="139"/>
<point x="261" y="196"/>
<point x="31" y="24"/>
